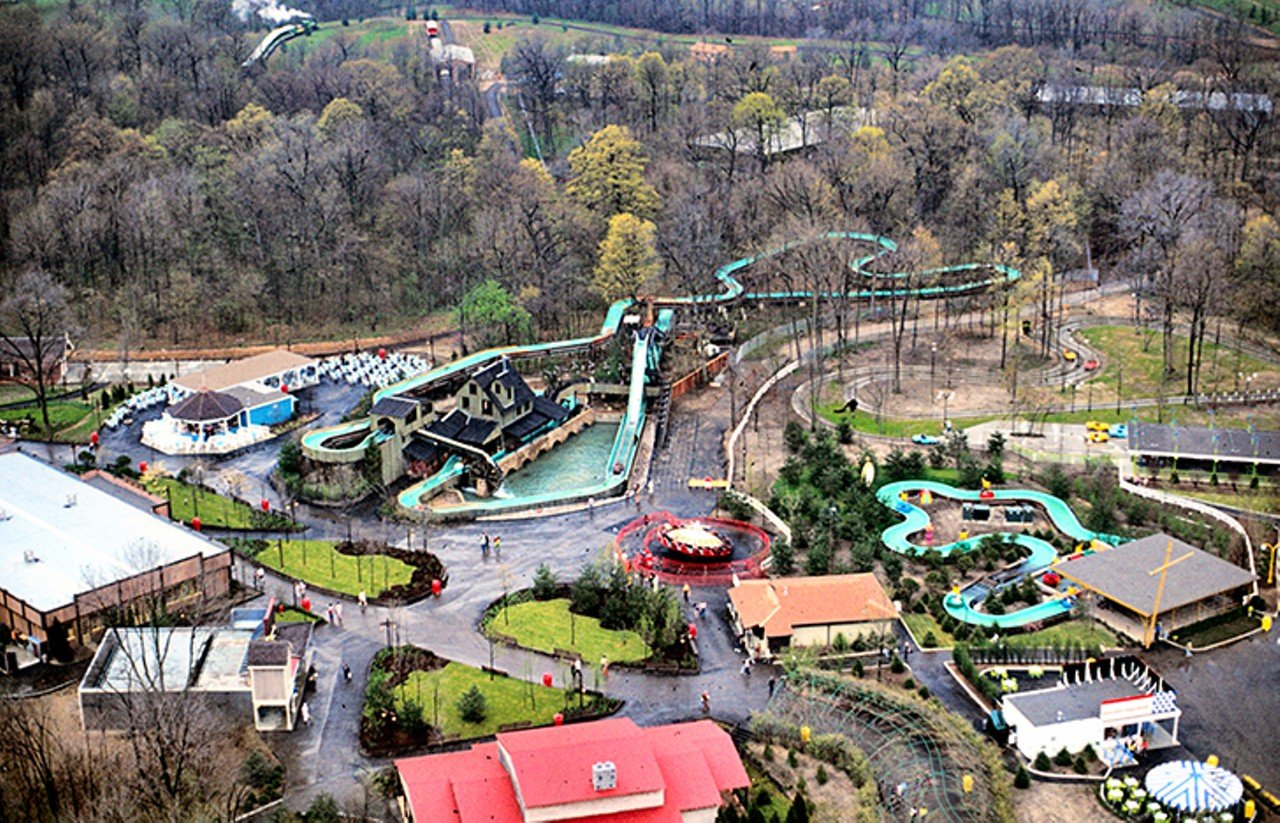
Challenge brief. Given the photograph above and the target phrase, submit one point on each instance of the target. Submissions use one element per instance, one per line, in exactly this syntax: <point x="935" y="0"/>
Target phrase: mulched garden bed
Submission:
<point x="426" y="568"/>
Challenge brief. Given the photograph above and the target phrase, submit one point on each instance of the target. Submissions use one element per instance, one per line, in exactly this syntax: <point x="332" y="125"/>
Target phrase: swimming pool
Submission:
<point x="574" y="467"/>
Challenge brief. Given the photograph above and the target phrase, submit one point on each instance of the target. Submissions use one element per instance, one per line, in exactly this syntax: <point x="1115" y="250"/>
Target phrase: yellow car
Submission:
<point x="1070" y="355"/>
<point x="1096" y="426"/>
<point x="1098" y="437"/>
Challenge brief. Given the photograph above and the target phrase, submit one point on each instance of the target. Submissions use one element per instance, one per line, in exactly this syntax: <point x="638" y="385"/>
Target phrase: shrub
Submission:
<point x="1063" y="757"/>
<point x="324" y="809"/>
<point x="1079" y="766"/>
<point x="840" y="643"/>
<point x="1042" y="763"/>
<point x="844" y="432"/>
<point x="472" y="705"/>
<point x="1056" y="481"/>
<point x="768" y="752"/>
<point x="1022" y="778"/>
<point x="858" y="669"/>
<point x="784" y="559"/>
<point x="545" y="585"/>
<point x="822" y="777"/>
<point x="923" y="691"/>
<point x="896" y="665"/>
<point x="794" y="437"/>
<point x="930" y="640"/>
<point x="413" y="718"/>
<point x="792" y="760"/>
<point x="488" y="27"/>
<point x="799" y="812"/>
<point x="909" y="683"/>
<point x="1090" y="755"/>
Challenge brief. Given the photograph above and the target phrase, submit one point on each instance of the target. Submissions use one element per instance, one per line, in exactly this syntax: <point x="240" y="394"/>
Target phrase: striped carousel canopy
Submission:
<point x="1192" y="786"/>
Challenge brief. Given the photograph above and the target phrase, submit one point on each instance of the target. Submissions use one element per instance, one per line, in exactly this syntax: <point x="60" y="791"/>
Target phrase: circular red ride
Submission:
<point x="693" y="541"/>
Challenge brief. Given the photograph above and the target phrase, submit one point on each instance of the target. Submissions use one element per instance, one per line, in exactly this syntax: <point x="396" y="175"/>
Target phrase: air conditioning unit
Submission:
<point x="604" y="776"/>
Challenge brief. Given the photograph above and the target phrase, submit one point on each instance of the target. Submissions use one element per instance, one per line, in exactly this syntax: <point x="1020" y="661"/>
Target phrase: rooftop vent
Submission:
<point x="71" y="501"/>
<point x="604" y="776"/>
<point x="29" y="556"/>
<point x="5" y="515"/>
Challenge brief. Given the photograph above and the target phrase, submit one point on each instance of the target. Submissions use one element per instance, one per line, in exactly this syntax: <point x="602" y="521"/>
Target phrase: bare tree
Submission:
<point x="34" y="333"/>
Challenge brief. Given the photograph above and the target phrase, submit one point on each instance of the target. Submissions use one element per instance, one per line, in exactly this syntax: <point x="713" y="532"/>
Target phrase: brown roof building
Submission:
<point x="809" y="611"/>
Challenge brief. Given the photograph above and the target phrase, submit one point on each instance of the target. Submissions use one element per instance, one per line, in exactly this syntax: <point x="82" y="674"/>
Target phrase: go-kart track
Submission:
<point x="345" y="444"/>
<point x="962" y="605"/>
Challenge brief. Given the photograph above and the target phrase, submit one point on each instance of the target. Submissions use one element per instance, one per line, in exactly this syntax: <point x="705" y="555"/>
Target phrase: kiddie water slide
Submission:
<point x="962" y="605"/>
<point x="343" y="443"/>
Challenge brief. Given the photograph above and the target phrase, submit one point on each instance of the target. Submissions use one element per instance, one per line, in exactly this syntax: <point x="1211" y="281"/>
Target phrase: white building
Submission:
<point x="1117" y="706"/>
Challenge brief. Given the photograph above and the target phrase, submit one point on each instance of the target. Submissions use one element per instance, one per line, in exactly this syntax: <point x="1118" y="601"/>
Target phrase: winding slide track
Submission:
<point x="961" y="605"/>
<point x="336" y="444"/>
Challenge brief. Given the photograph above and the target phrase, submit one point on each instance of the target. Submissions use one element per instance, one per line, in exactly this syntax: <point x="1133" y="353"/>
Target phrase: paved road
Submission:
<point x="324" y="756"/>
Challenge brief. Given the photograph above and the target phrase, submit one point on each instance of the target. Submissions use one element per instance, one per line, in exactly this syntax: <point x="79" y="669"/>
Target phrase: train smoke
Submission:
<point x="266" y="9"/>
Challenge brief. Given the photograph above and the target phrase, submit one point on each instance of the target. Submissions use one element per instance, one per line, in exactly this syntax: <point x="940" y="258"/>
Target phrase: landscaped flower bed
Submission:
<point x="385" y="573"/>
<point x="600" y="612"/>
<point x="415" y="699"/>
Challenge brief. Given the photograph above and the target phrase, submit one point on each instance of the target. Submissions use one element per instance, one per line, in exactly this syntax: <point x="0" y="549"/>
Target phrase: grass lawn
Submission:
<point x="63" y="414"/>
<point x="1217" y="629"/>
<point x="778" y="805"/>
<point x="1139" y="351"/>
<point x="1071" y="631"/>
<point x="545" y="626"/>
<point x="508" y="700"/>
<point x="295" y="615"/>
<point x="922" y="624"/>
<point x="1253" y="501"/>
<point x="187" y="501"/>
<point x="318" y="563"/>
<point x="1264" y="13"/>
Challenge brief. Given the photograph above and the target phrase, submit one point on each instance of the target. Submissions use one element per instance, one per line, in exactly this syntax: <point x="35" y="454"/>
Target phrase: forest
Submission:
<point x="344" y="188"/>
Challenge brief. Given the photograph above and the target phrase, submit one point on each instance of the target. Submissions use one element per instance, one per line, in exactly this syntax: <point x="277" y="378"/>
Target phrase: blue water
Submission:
<point x="577" y="464"/>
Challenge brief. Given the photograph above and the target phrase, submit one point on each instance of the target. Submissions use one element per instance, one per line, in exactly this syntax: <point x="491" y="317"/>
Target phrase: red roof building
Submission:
<point x="607" y="771"/>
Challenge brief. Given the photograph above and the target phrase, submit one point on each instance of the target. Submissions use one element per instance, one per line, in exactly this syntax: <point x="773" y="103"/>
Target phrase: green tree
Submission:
<point x="493" y="314"/>
<point x="761" y="117"/>
<point x="784" y="559"/>
<point x="607" y="175"/>
<point x="799" y="812"/>
<point x="545" y="584"/>
<point x="338" y="113"/>
<point x="472" y="706"/>
<point x="628" y="260"/>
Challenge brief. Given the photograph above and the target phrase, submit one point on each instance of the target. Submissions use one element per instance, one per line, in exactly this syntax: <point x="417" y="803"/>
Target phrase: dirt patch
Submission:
<point x="1047" y="802"/>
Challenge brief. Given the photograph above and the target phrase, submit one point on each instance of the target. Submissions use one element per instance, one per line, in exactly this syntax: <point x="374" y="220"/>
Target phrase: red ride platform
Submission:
<point x="700" y="551"/>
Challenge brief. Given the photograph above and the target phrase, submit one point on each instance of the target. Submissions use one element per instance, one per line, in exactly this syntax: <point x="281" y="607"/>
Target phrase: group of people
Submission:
<point x="495" y="543"/>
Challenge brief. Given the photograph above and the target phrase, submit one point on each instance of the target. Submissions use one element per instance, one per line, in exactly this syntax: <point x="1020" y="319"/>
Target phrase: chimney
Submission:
<point x="604" y="776"/>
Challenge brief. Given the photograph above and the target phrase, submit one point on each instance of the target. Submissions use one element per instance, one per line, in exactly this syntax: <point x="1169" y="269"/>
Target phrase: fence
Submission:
<point x="700" y="376"/>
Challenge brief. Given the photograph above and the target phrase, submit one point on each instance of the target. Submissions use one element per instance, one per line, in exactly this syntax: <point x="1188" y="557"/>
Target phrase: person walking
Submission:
<point x="772" y="685"/>
<point x="706" y="703"/>
<point x="604" y="666"/>
<point x="577" y="673"/>
<point x="346" y="672"/>
<point x="260" y="579"/>
<point x="484" y="546"/>
<point x="497" y="547"/>
<point x="363" y="600"/>
<point x="685" y="591"/>
<point x="306" y="715"/>
<point x="328" y="615"/>
<point x="337" y="612"/>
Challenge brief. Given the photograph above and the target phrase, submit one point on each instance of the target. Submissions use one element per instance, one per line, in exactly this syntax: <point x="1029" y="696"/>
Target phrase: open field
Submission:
<point x="1133" y="355"/>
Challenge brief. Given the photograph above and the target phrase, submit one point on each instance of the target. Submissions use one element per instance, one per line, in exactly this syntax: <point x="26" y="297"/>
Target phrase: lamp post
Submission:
<point x="933" y="364"/>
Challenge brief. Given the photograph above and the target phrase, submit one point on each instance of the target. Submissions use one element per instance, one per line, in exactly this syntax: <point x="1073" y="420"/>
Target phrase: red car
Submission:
<point x="1091" y="365"/>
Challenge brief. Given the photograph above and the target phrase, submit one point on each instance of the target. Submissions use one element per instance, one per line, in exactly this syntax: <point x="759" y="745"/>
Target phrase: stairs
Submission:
<point x="661" y="414"/>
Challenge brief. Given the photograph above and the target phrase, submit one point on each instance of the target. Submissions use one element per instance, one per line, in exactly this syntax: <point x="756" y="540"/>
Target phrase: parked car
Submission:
<point x="1091" y="364"/>
<point x="925" y="440"/>
<point x="1119" y="431"/>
